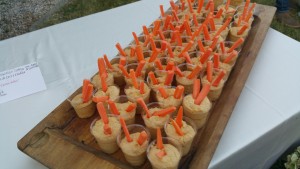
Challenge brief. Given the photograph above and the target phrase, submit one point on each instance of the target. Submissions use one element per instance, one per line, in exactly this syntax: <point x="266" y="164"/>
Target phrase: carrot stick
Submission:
<point x="209" y="71"/>
<point x="162" y="13"/>
<point x="219" y="13"/>
<point x="186" y="48"/>
<point x="222" y="45"/>
<point x="153" y="78"/>
<point x="179" y="116"/>
<point x="158" y="64"/>
<point x="216" y="60"/>
<point x="218" y="79"/>
<point x="208" y="4"/>
<point x="182" y="5"/>
<point x="212" y="7"/>
<point x="131" y="107"/>
<point x="190" y="6"/>
<point x="205" y="55"/>
<point x="171" y="27"/>
<point x="178" y="92"/>
<point x="242" y="30"/>
<point x="245" y="9"/>
<point x="165" y="111"/>
<point x="167" y="22"/>
<point x="178" y="37"/>
<point x="89" y="92"/>
<point x="126" y="132"/>
<point x="156" y="27"/>
<point x="161" y="35"/>
<point x="195" y="20"/>
<point x="178" y="71"/>
<point x="223" y="26"/>
<point x="163" y="92"/>
<point x="133" y="78"/>
<point x="169" y="78"/>
<point x="248" y="16"/>
<point x="200" y="46"/>
<point x="197" y="32"/>
<point x="85" y="84"/>
<point x="103" y="83"/>
<point x="142" y="138"/>
<point x="252" y="7"/>
<point x="177" y="128"/>
<point x="108" y="64"/>
<point x="161" y="154"/>
<point x="212" y="24"/>
<point x="124" y="71"/>
<point x="122" y="61"/>
<point x="101" y="67"/>
<point x="214" y="43"/>
<point x="203" y="93"/>
<point x="170" y="51"/>
<point x="206" y="33"/>
<point x="102" y="112"/>
<point x="159" y="141"/>
<point x="175" y="16"/>
<point x="98" y="99"/>
<point x="163" y="45"/>
<point x="142" y="87"/>
<point x="136" y="38"/>
<point x="139" y="53"/>
<point x="200" y="5"/>
<point x="195" y="72"/>
<point x="113" y="107"/>
<point x="187" y="28"/>
<point x="235" y="45"/>
<point x="173" y="5"/>
<point x="132" y="51"/>
<point x="107" y="129"/>
<point x="239" y="20"/>
<point x="230" y="57"/>
<point x="227" y="4"/>
<point x="196" y="88"/>
<point x="152" y="43"/>
<point x="170" y="65"/>
<point x="121" y="51"/>
<point x="138" y="71"/>
<point x="153" y="56"/>
<point x="145" y="30"/>
<point x="143" y="104"/>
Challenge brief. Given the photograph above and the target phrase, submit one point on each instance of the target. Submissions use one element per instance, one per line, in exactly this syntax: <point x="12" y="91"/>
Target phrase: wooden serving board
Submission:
<point x="62" y="140"/>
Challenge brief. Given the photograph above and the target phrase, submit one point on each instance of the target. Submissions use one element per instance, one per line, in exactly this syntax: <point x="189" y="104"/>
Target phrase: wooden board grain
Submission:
<point x="62" y="140"/>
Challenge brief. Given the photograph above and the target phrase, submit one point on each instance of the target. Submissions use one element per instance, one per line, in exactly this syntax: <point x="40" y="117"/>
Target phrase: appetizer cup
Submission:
<point x="83" y="110"/>
<point x="122" y="102"/>
<point x="117" y="73"/>
<point x="134" y="66"/>
<point x="186" y="82"/>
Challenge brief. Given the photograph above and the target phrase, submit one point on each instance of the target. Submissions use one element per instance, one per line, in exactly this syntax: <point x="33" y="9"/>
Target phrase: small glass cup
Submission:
<point x="233" y="36"/>
<point x="134" y="154"/>
<point x="112" y="91"/>
<point x="96" y="80"/>
<point x="187" y="83"/>
<point x="107" y="144"/>
<point x="122" y="102"/>
<point x="170" y="101"/>
<point x="186" y="140"/>
<point x="117" y="73"/>
<point x="134" y="66"/>
<point x="173" y="148"/>
<point x="83" y="110"/>
<point x="236" y="20"/>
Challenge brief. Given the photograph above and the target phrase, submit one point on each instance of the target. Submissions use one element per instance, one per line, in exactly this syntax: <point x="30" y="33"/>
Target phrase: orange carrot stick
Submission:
<point x="182" y="5"/>
<point x="158" y="64"/>
<point x="85" y="84"/>
<point x="178" y="37"/>
<point x="132" y="51"/>
<point x="214" y="43"/>
<point x="138" y="71"/>
<point x="187" y="28"/>
<point x="98" y="99"/>
<point x="252" y="7"/>
<point x="167" y="22"/>
<point x="152" y="43"/>
<point x="245" y="9"/>
<point x="122" y="61"/>
<point x="195" y="72"/>
<point x="153" y="56"/>
<point x="133" y="78"/>
<point x="153" y="78"/>
<point x="162" y="13"/>
<point x="178" y="71"/>
<point x="187" y="59"/>
<point x="206" y="33"/>
<point x="121" y="51"/>
<point x="205" y="55"/>
<point x="173" y="5"/>
<point x="216" y="60"/>
<point x="227" y="4"/>
<point x="159" y="141"/>
<point x="195" y="20"/>
<point x="124" y="71"/>
<point x="235" y="45"/>
<point x="212" y="7"/>
<point x="230" y="57"/>
<point x="143" y="104"/>
<point x="200" y="46"/>
<point x="250" y="14"/>
<point x="219" y="13"/>
<point x="222" y="45"/>
<point x="218" y="79"/>
<point x="163" y="92"/>
<point x="137" y="42"/>
<point x="131" y="107"/>
<point x="161" y="35"/>
<point x="145" y="30"/>
<point x="209" y="71"/>
<point x="89" y="92"/>
<point x="200" y="5"/>
<point x="196" y="88"/>
<point x="142" y="138"/>
<point x="108" y="64"/>
<point x="156" y="27"/>
<point x="178" y="92"/>
<point x="165" y="111"/>
<point x="170" y="51"/>
<point x="177" y="128"/>
<point x="175" y="16"/>
<point x="142" y="87"/>
<point x="197" y="32"/>
<point x="208" y="4"/>
<point x="139" y="53"/>
<point x="179" y="116"/>
<point x="190" y="6"/>
<point x="212" y="24"/>
<point x="113" y="107"/>
<point x="170" y="65"/>
<point x="242" y="30"/>
<point x="163" y="45"/>
<point x="186" y="48"/>
<point x="161" y="154"/>
<point x="107" y="129"/>
<point x="169" y="78"/>
<point x="223" y="26"/>
<point x="102" y="112"/>
<point x="126" y="132"/>
<point x="103" y="83"/>
<point x="203" y="93"/>
<point x="239" y="20"/>
<point x="101" y="67"/>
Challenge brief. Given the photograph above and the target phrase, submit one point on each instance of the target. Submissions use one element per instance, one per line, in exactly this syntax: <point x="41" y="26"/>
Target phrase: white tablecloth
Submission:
<point x="264" y="123"/>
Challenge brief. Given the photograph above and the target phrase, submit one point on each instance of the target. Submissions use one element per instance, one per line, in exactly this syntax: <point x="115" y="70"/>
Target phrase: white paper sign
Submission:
<point x="20" y="81"/>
